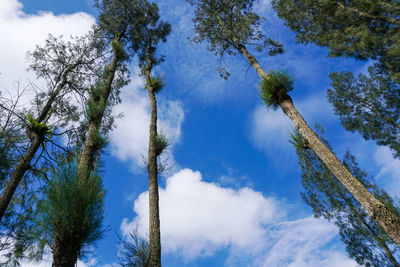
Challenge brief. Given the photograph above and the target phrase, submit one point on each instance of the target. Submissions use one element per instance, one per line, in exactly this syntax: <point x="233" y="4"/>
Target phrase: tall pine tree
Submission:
<point x="220" y="24"/>
<point x="156" y="31"/>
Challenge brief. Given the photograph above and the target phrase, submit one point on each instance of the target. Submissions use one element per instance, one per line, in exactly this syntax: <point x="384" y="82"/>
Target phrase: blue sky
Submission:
<point x="232" y="194"/>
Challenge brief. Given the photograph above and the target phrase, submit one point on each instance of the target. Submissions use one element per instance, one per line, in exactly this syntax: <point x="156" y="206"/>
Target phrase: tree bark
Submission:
<point x="36" y="137"/>
<point x="152" y="168"/>
<point x="64" y="253"/>
<point x="379" y="212"/>
<point x="89" y="149"/>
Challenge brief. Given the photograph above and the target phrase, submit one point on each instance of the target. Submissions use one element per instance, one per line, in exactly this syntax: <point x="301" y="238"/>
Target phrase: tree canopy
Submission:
<point x="366" y="29"/>
<point x="369" y="105"/>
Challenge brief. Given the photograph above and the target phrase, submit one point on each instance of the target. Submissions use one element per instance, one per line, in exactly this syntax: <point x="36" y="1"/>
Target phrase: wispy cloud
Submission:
<point x="389" y="170"/>
<point x="304" y="242"/>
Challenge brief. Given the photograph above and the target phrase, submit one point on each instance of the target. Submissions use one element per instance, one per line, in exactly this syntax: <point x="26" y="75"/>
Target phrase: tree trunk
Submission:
<point x="89" y="149"/>
<point x="389" y="221"/>
<point x="154" y="216"/>
<point x="19" y="172"/>
<point x="64" y="253"/>
<point x="36" y="137"/>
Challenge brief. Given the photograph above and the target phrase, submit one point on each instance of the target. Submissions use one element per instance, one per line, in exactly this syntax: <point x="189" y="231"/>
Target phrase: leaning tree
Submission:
<point x="365" y="30"/>
<point x="229" y="27"/>
<point x="64" y="66"/>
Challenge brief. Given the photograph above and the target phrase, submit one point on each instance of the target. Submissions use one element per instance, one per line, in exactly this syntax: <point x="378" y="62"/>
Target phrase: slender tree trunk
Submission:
<point x="154" y="213"/>
<point x="379" y="212"/>
<point x="64" y="253"/>
<point x="90" y="146"/>
<point x="36" y="137"/>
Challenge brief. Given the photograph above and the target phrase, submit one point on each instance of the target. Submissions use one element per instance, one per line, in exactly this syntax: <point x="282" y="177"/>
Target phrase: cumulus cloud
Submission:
<point x="28" y="31"/>
<point x="199" y="218"/>
<point x="131" y="137"/>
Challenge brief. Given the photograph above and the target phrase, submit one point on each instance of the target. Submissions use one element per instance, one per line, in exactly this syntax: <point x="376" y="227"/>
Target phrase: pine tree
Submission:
<point x="123" y="23"/>
<point x="133" y="27"/>
<point x="69" y="218"/>
<point x="61" y="65"/>
<point x="369" y="105"/>
<point x="134" y="251"/>
<point x="365" y="240"/>
<point x="157" y="31"/>
<point x="213" y="21"/>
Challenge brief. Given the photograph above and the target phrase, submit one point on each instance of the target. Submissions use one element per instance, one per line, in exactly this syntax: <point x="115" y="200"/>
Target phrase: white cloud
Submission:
<point x="23" y="31"/>
<point x="130" y="138"/>
<point x="199" y="218"/>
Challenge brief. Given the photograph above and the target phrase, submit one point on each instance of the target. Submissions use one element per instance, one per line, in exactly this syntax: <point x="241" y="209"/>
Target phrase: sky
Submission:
<point x="231" y="196"/>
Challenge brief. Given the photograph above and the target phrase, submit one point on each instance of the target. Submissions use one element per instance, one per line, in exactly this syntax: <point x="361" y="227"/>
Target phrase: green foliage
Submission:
<point x="134" y="251"/>
<point x="366" y="242"/>
<point x="369" y="105"/>
<point x="71" y="211"/>
<point x="161" y="143"/>
<point x="133" y="21"/>
<point x="95" y="106"/>
<point x="367" y="29"/>
<point x="156" y="83"/>
<point x="275" y="87"/>
<point x="72" y="65"/>
<point x="41" y="127"/>
<point x="100" y="141"/>
<point x="119" y="47"/>
<point x="227" y="24"/>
